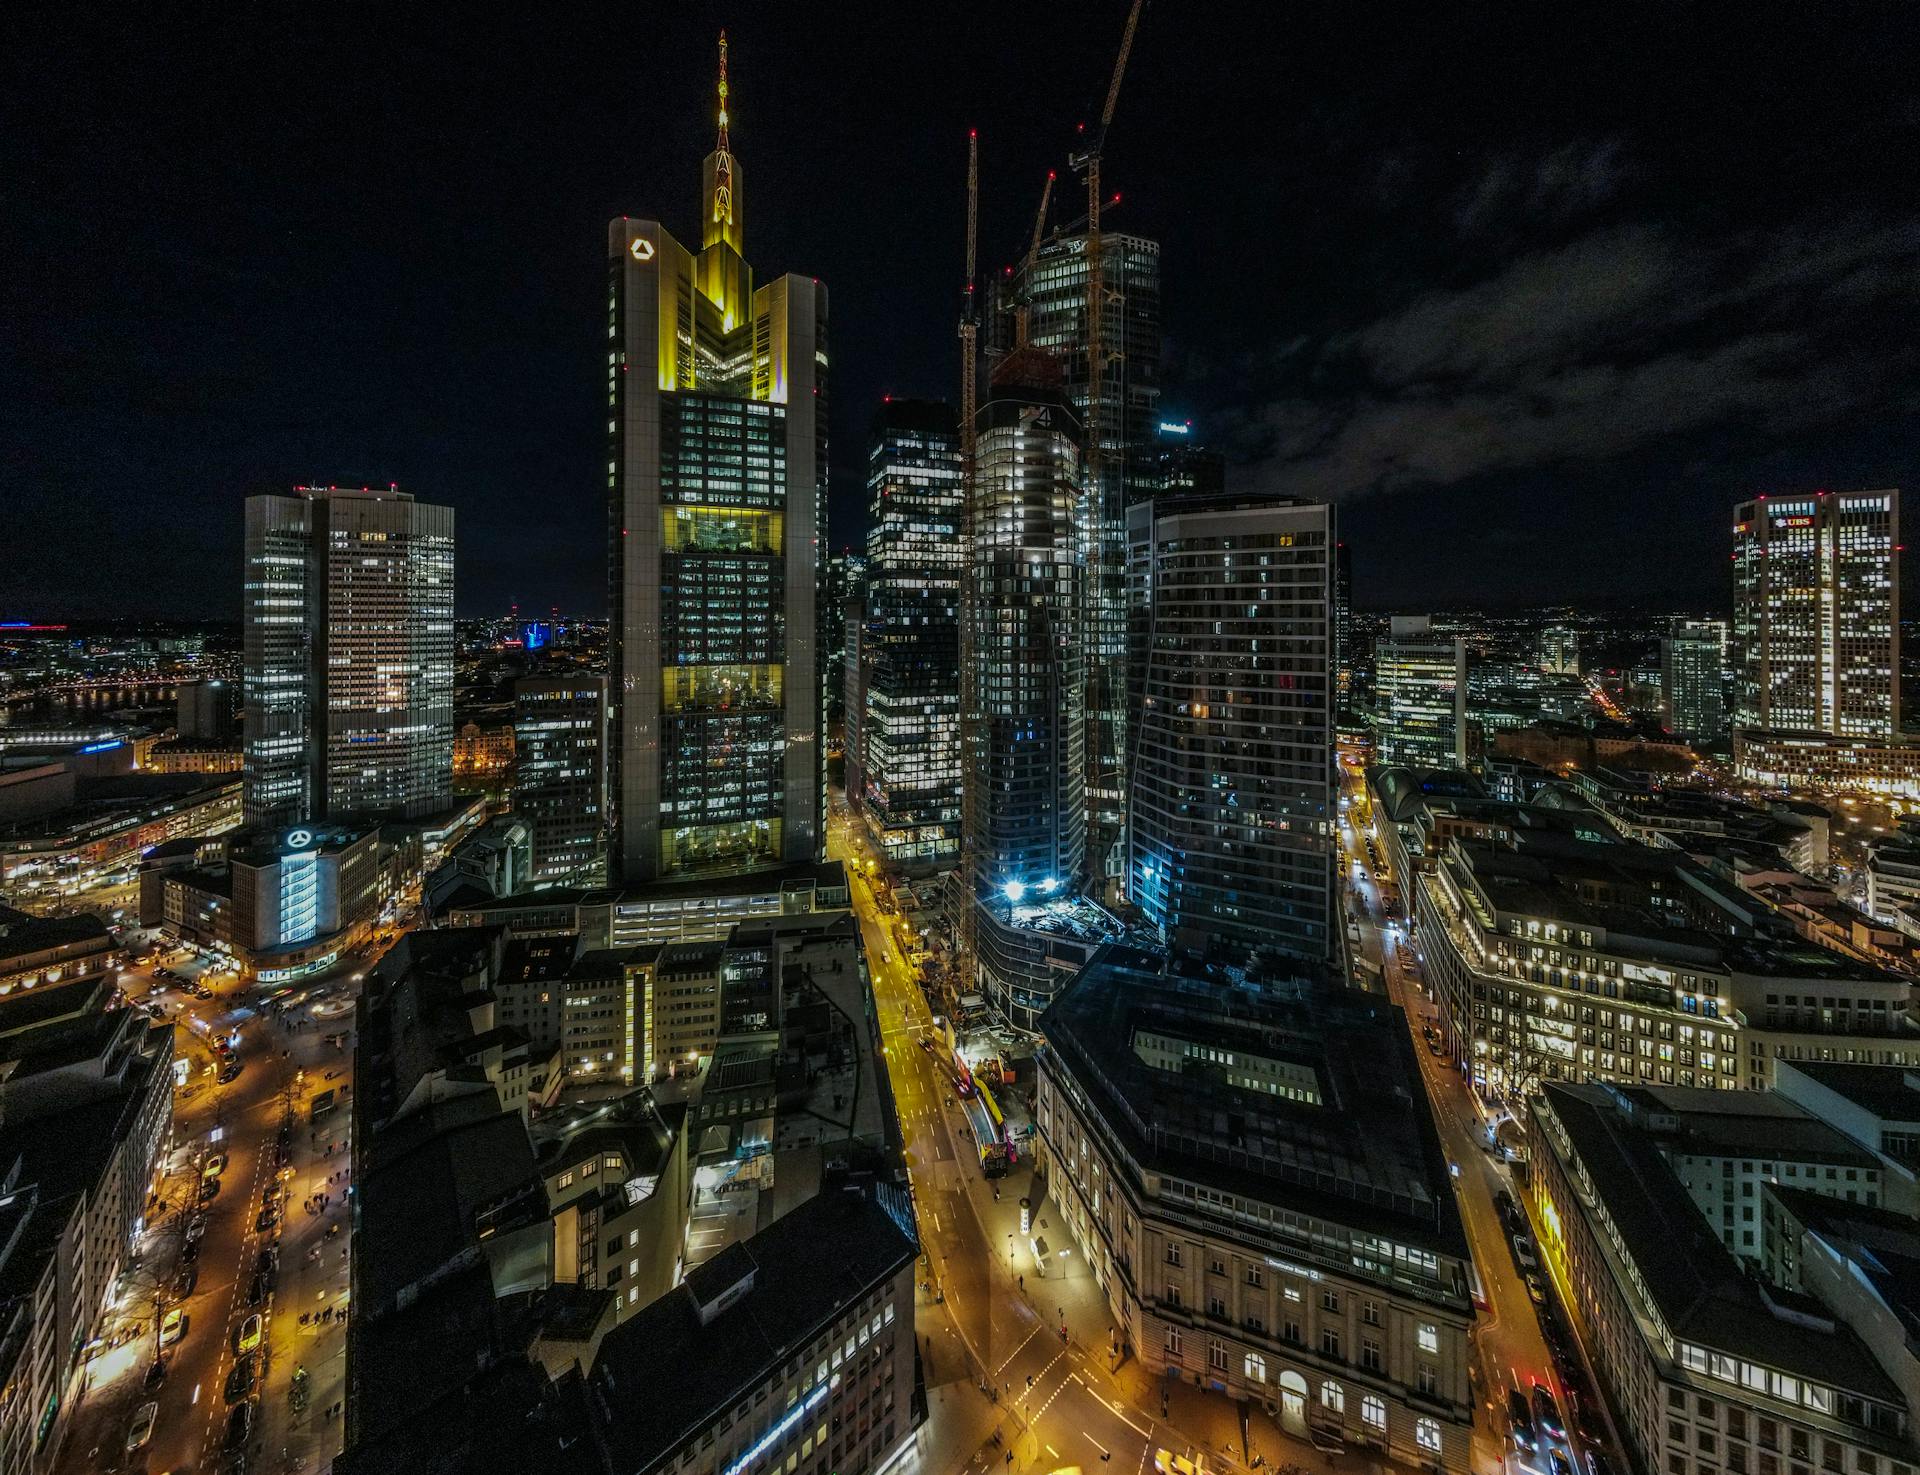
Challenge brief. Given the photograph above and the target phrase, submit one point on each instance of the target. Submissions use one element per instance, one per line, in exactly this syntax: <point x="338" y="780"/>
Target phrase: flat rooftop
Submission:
<point x="1703" y="1293"/>
<point x="1366" y="1156"/>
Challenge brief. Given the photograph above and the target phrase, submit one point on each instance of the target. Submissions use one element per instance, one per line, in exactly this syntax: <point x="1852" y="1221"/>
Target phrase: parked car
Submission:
<point x="1559" y="1463"/>
<point x="156" y="1374"/>
<point x="196" y="1226"/>
<point x="229" y="1073"/>
<point x="240" y="1421"/>
<point x="1597" y="1463"/>
<point x="185" y="1281"/>
<point x="209" y="1190"/>
<point x="257" y="1291"/>
<point x="141" y="1429"/>
<point x="269" y="1216"/>
<point x="246" y="1336"/>
<point x="1536" y="1292"/>
<point x="173" y="1326"/>
<point x="240" y="1378"/>
<point x="1523" y="1252"/>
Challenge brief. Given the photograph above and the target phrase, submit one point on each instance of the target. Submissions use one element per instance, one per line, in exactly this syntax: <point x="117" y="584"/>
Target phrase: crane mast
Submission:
<point x="970" y="798"/>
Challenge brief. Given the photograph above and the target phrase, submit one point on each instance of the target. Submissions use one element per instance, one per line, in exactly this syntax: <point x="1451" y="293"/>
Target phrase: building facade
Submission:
<point x="1263" y="1201"/>
<point x="1819" y="763"/>
<point x="1692" y="682"/>
<point x="1738" y="1277"/>
<point x="1816" y="613"/>
<point x="716" y="484"/>
<point x="1025" y="764"/>
<point x="1050" y="288"/>
<point x="916" y="553"/>
<point x="560" y="777"/>
<point x="348" y="656"/>
<point x="1420" y="696"/>
<point x="1230" y="796"/>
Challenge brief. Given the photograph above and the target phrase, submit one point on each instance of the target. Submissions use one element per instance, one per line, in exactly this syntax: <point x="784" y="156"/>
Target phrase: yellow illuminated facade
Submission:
<point x="716" y="486"/>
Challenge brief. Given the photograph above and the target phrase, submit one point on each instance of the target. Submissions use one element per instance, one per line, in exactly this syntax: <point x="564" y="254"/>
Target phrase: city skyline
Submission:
<point x="1452" y="300"/>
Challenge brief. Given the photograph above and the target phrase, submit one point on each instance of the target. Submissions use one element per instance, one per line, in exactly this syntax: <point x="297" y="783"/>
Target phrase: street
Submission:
<point x="259" y="1244"/>
<point x="1513" y="1351"/>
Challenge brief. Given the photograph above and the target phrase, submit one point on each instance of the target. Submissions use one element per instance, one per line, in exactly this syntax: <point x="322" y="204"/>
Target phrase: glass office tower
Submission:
<point x="1052" y="288"/>
<point x="348" y="656"/>
<point x="1230" y="792"/>
<point x="560" y="776"/>
<point x="716" y="492"/>
<point x="910" y="730"/>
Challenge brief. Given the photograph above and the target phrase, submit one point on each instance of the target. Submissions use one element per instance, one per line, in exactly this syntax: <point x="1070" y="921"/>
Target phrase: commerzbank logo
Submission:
<point x="642" y="250"/>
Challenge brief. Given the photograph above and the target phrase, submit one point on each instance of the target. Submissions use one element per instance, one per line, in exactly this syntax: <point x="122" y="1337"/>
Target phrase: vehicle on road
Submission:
<point x="1520" y="1417"/>
<point x="184" y="1281"/>
<point x="240" y="1421"/>
<point x="246" y="1336"/>
<point x="1536" y="1291"/>
<point x="268" y="1217"/>
<point x="240" y="1378"/>
<point x="189" y="1252"/>
<point x="1559" y="1463"/>
<point x="1523" y="1252"/>
<point x="209" y="1190"/>
<point x="156" y="1374"/>
<point x="1546" y="1411"/>
<point x="141" y="1429"/>
<point x="215" y="1165"/>
<point x="229" y="1073"/>
<point x="196" y="1226"/>
<point x="1597" y="1463"/>
<point x="257" y="1291"/>
<point x="173" y="1327"/>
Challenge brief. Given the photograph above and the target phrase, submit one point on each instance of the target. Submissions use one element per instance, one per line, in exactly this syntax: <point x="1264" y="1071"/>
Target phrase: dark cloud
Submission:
<point x="1597" y="348"/>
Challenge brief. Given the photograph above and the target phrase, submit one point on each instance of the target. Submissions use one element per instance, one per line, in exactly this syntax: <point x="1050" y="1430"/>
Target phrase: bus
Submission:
<point x="989" y="1136"/>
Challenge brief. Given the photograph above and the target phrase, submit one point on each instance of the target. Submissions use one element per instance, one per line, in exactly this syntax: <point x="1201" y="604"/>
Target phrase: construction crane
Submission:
<point x="1087" y="160"/>
<point x="969" y="682"/>
<point x="1026" y="264"/>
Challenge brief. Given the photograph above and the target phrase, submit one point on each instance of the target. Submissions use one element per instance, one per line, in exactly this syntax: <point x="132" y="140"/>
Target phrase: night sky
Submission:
<point x="1536" y="293"/>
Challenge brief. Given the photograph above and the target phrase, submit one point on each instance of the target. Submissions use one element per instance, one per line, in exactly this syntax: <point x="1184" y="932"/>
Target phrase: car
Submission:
<point x="240" y="1378"/>
<point x="1597" y="1463"/>
<point x="156" y="1374"/>
<point x="269" y="1261"/>
<point x="1509" y="1210"/>
<point x="141" y="1429"/>
<point x="1559" y="1463"/>
<point x="196" y="1226"/>
<point x="229" y="1073"/>
<point x="268" y="1217"/>
<point x="1523" y="1252"/>
<point x="246" y="1336"/>
<point x="257" y="1291"/>
<point x="185" y="1281"/>
<point x="189" y="1252"/>
<point x="1546" y="1411"/>
<point x="1536" y="1291"/>
<point x="240" y="1421"/>
<point x="1520" y="1417"/>
<point x="209" y="1190"/>
<point x="173" y="1326"/>
<point x="215" y="1165"/>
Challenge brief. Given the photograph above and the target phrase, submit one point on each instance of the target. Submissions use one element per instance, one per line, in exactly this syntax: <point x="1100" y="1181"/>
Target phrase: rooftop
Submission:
<point x="1703" y="1293"/>
<point x="1366" y="1157"/>
<point x="807" y="1268"/>
<point x="22" y="933"/>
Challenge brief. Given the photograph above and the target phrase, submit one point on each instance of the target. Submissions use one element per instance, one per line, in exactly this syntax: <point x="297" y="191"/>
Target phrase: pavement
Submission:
<point x="288" y="1052"/>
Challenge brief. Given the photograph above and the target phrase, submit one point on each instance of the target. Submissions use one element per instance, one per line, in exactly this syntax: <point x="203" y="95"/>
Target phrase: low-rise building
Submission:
<point x="54" y="952"/>
<point x="1260" y="1191"/>
<point x="1556" y="957"/>
<point x="112" y="822"/>
<point x="1746" y="1291"/>
<point x="283" y="904"/>
<point x="1822" y="763"/>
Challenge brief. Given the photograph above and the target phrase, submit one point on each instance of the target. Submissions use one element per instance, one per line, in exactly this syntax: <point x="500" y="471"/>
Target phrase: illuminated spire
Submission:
<point x="723" y="155"/>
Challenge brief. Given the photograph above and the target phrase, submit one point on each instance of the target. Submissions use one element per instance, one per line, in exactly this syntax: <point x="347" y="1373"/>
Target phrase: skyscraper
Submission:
<point x="1816" y="613"/>
<point x="1692" y="688"/>
<point x="1051" y="291"/>
<point x="348" y="656"/>
<point x="560" y="776"/>
<point x="1025" y="758"/>
<point x="1230" y="787"/>
<point x="915" y="557"/>
<point x="1558" y="650"/>
<point x="1343" y="646"/>
<point x="716" y="489"/>
<point x="846" y="583"/>
<point x="1420" y="696"/>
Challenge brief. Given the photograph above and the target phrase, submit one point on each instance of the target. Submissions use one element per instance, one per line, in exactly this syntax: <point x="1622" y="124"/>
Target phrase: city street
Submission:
<point x="250" y="1248"/>
<point x="1512" y="1348"/>
<point x="989" y="1319"/>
